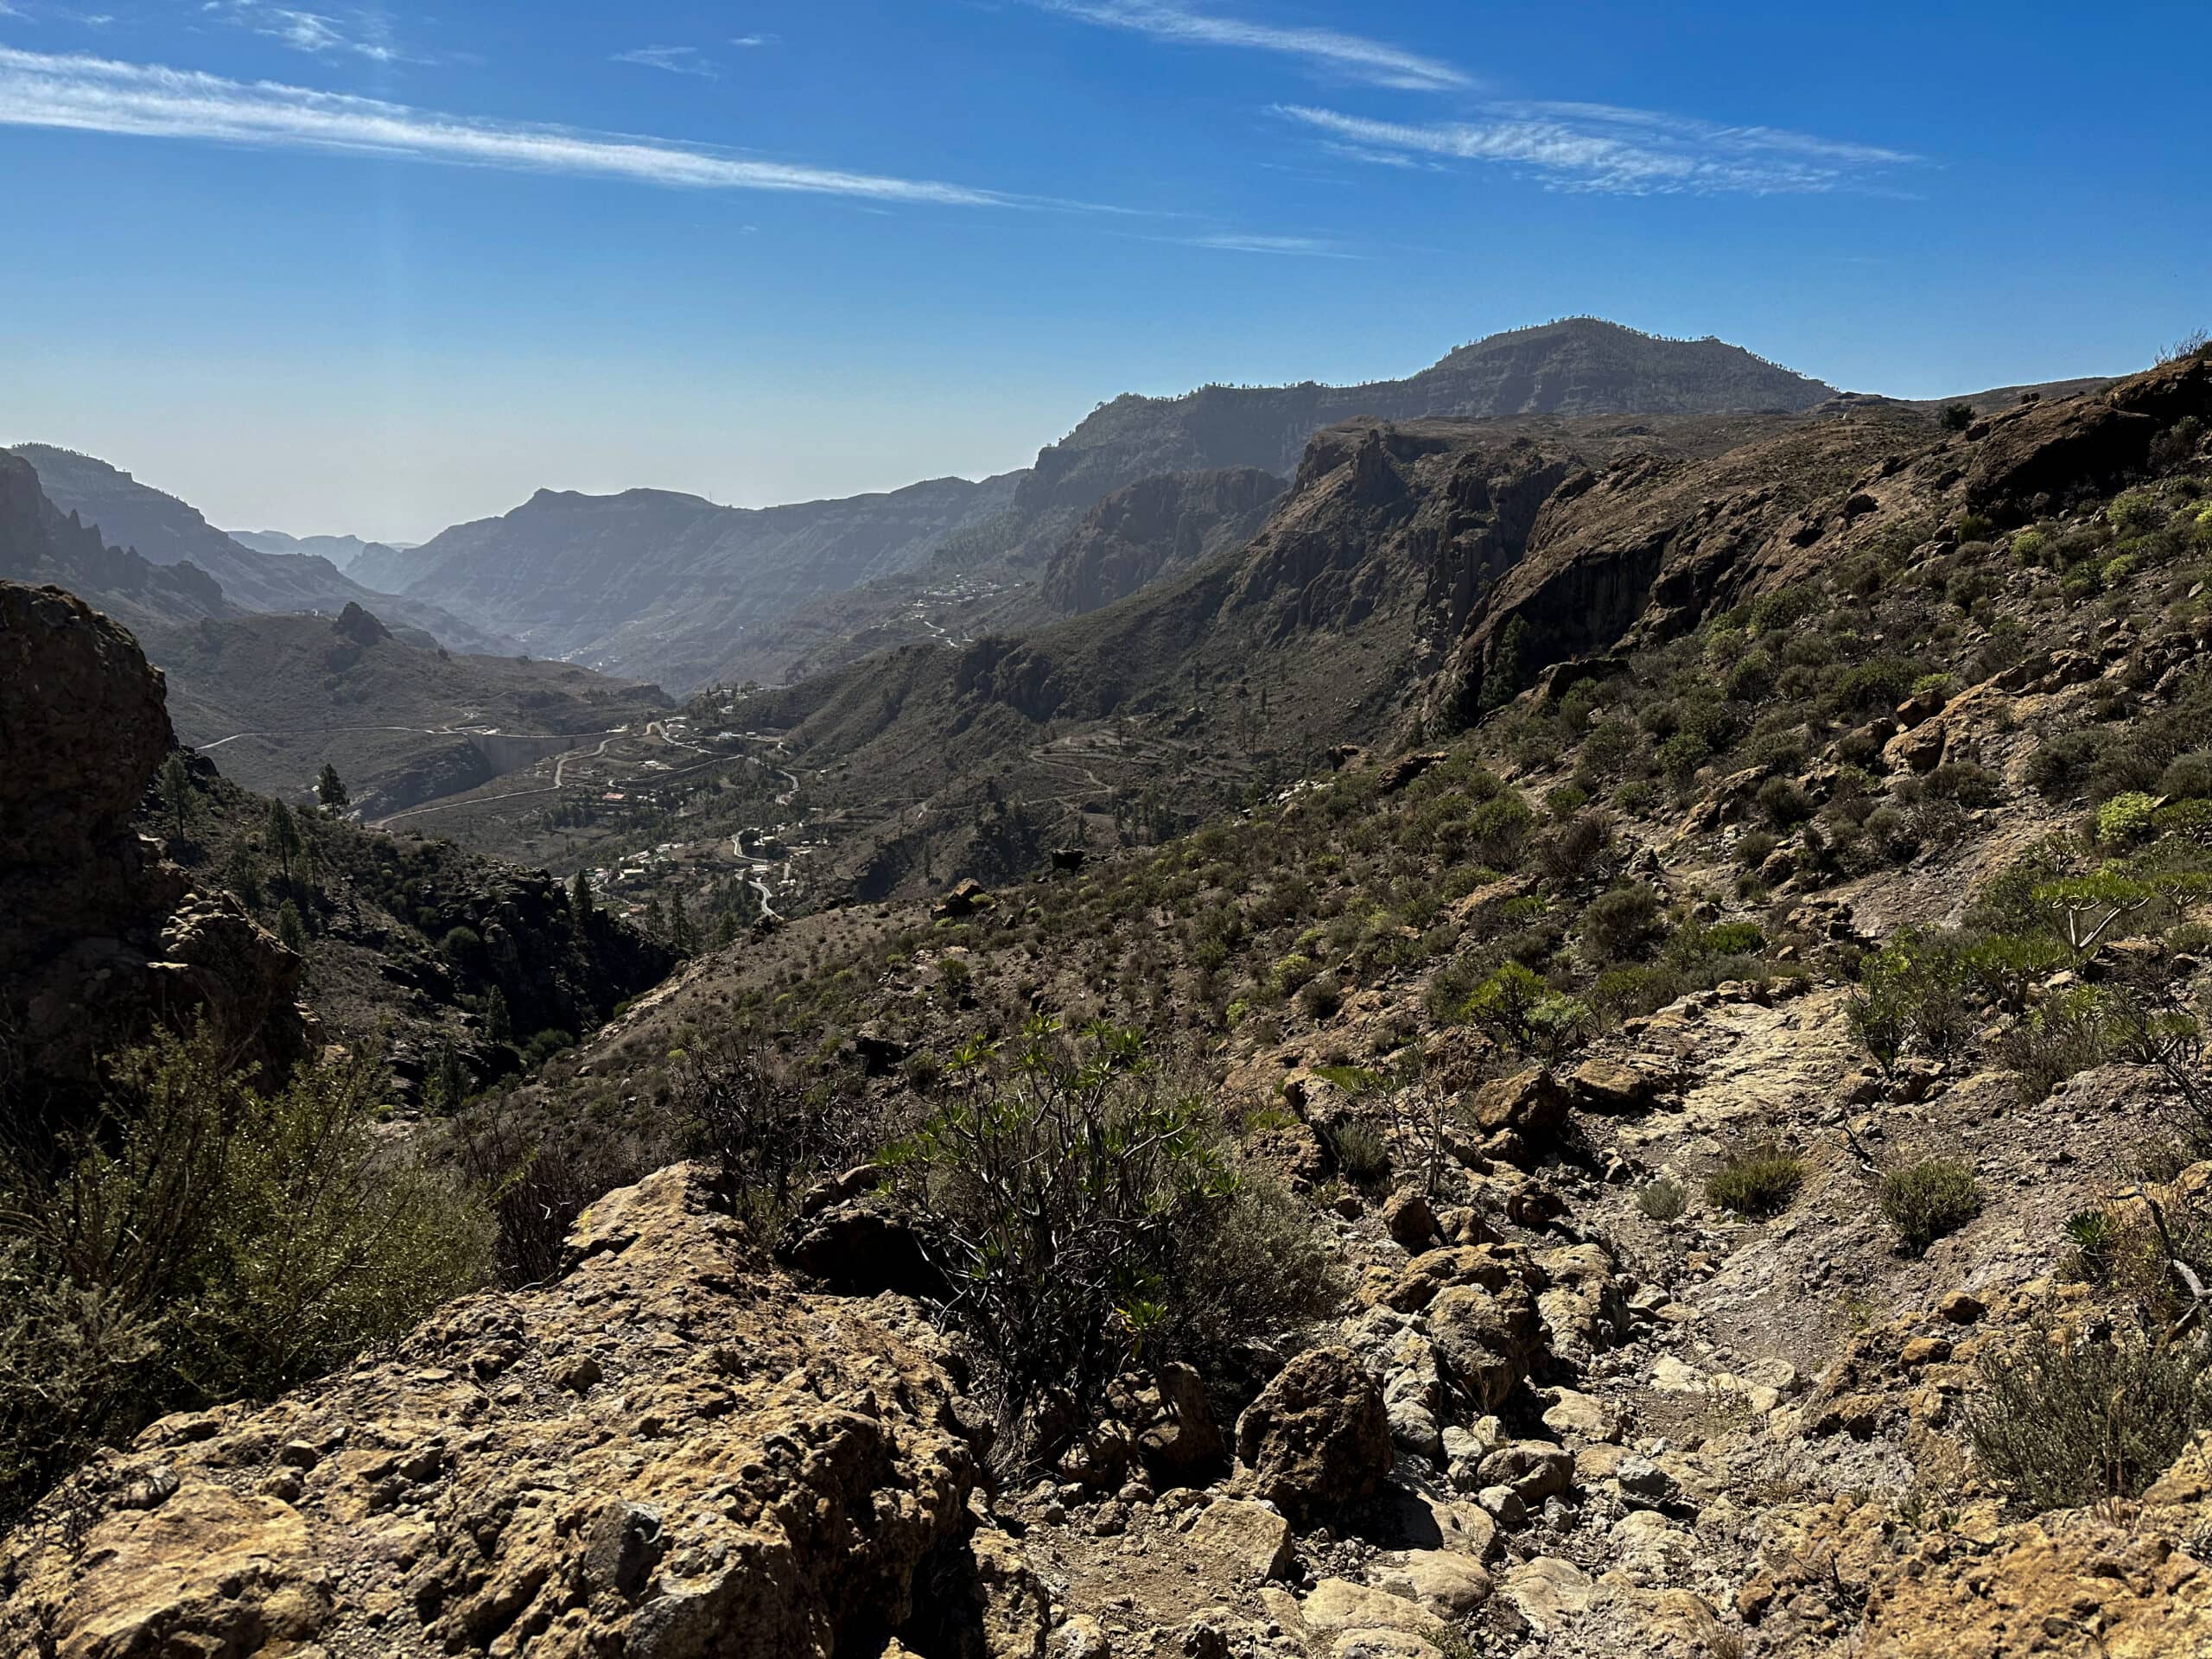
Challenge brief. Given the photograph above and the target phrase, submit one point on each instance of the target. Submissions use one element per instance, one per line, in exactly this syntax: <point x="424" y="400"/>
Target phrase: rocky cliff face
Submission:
<point x="99" y="934"/>
<point x="1644" y="548"/>
<point x="1153" y="528"/>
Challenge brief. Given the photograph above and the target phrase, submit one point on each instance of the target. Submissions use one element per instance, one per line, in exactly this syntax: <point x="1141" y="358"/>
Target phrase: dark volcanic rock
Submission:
<point x="96" y="937"/>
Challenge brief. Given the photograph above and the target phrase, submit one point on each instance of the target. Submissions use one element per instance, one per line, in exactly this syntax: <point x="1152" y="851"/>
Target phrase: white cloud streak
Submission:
<point x="316" y="33"/>
<point x="1374" y="61"/>
<point x="92" y="94"/>
<point x="1307" y="247"/>
<point x="676" y="60"/>
<point x="1598" y="147"/>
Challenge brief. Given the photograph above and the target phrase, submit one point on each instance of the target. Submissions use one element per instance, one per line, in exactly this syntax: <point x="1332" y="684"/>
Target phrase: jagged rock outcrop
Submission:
<point x="98" y="937"/>
<point x="669" y="1452"/>
<point x="1152" y="528"/>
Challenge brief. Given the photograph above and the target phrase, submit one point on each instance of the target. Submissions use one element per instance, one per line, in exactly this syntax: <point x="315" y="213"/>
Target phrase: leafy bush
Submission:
<point x="1087" y="1215"/>
<point x="1911" y="995"/>
<point x="1663" y="1199"/>
<point x="2067" y="1423"/>
<point x="2126" y="818"/>
<point x="1622" y="922"/>
<point x="1320" y="999"/>
<point x="209" y="1242"/>
<point x="1294" y="972"/>
<point x="1760" y="1181"/>
<point x="1928" y="1199"/>
<point x="1955" y="417"/>
<point x="1515" y="1009"/>
<point x="1499" y="826"/>
<point x="1572" y="851"/>
<point x="1784" y="803"/>
<point x="766" y="1127"/>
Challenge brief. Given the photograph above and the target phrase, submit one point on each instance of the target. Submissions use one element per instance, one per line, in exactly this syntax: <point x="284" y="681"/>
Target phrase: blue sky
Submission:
<point x="380" y="269"/>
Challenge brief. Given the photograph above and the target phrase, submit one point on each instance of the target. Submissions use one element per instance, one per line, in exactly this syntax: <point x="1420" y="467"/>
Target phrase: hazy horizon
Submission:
<point x="365" y="271"/>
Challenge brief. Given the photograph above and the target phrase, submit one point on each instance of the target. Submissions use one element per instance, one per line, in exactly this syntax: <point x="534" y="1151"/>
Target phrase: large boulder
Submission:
<point x="1490" y="1340"/>
<point x="670" y="1450"/>
<point x="1317" y="1437"/>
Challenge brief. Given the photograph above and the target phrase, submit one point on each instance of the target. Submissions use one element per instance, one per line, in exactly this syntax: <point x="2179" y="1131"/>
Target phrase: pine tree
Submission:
<point x="283" y="837"/>
<point x="330" y="789"/>
<point x="580" y="897"/>
<point x="680" y="935"/>
<point x="176" y="796"/>
<point x="498" y="1024"/>
<point x="292" y="928"/>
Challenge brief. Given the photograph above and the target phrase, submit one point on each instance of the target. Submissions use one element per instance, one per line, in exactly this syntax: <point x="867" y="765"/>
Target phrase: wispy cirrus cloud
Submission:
<point x="1355" y="56"/>
<point x="1602" y="147"/>
<point x="1303" y="247"/>
<point x="676" y="60"/>
<point x="361" y="35"/>
<point x="92" y="94"/>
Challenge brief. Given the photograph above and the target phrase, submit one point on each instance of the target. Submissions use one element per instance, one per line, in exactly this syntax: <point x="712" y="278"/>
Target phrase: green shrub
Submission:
<point x="1622" y="922"/>
<point x="1293" y="970"/>
<point x="1681" y="755"/>
<point x="1784" y="803"/>
<point x="2068" y="1423"/>
<point x="1760" y="1181"/>
<point x="1663" y="1199"/>
<point x="1088" y="1215"/>
<point x="1499" y="826"/>
<point x="1624" y="992"/>
<point x="2126" y="818"/>
<point x="1516" y="1010"/>
<point x="211" y="1242"/>
<point x="2189" y="778"/>
<point x="1754" y="846"/>
<point x="1911" y="995"/>
<point x="1929" y="1199"/>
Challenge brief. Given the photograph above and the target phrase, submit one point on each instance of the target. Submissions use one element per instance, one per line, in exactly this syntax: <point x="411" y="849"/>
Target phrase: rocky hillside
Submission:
<point x="274" y="698"/>
<point x="39" y="544"/>
<point x="97" y="931"/>
<point x="167" y="531"/>
<point x="139" y="891"/>
<point x="1707" y="1150"/>
<point x="1138" y="719"/>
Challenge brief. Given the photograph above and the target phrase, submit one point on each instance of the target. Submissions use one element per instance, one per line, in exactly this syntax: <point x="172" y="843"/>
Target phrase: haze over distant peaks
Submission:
<point x="340" y="550"/>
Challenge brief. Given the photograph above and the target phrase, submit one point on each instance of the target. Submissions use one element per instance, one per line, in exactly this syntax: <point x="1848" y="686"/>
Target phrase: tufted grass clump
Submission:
<point x="1759" y="1181"/>
<point x="1929" y="1199"/>
<point x="1663" y="1199"/>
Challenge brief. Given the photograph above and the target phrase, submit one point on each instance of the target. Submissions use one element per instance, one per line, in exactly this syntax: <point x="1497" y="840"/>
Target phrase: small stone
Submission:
<point x="1925" y="1350"/>
<point x="1962" y="1307"/>
<point x="580" y="1375"/>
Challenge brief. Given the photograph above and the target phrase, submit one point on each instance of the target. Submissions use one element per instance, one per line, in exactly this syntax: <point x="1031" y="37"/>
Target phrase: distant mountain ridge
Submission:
<point x="1582" y="366"/>
<point x="342" y="550"/>
<point x="674" y="588"/>
<point x="165" y="530"/>
<point x="658" y="583"/>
